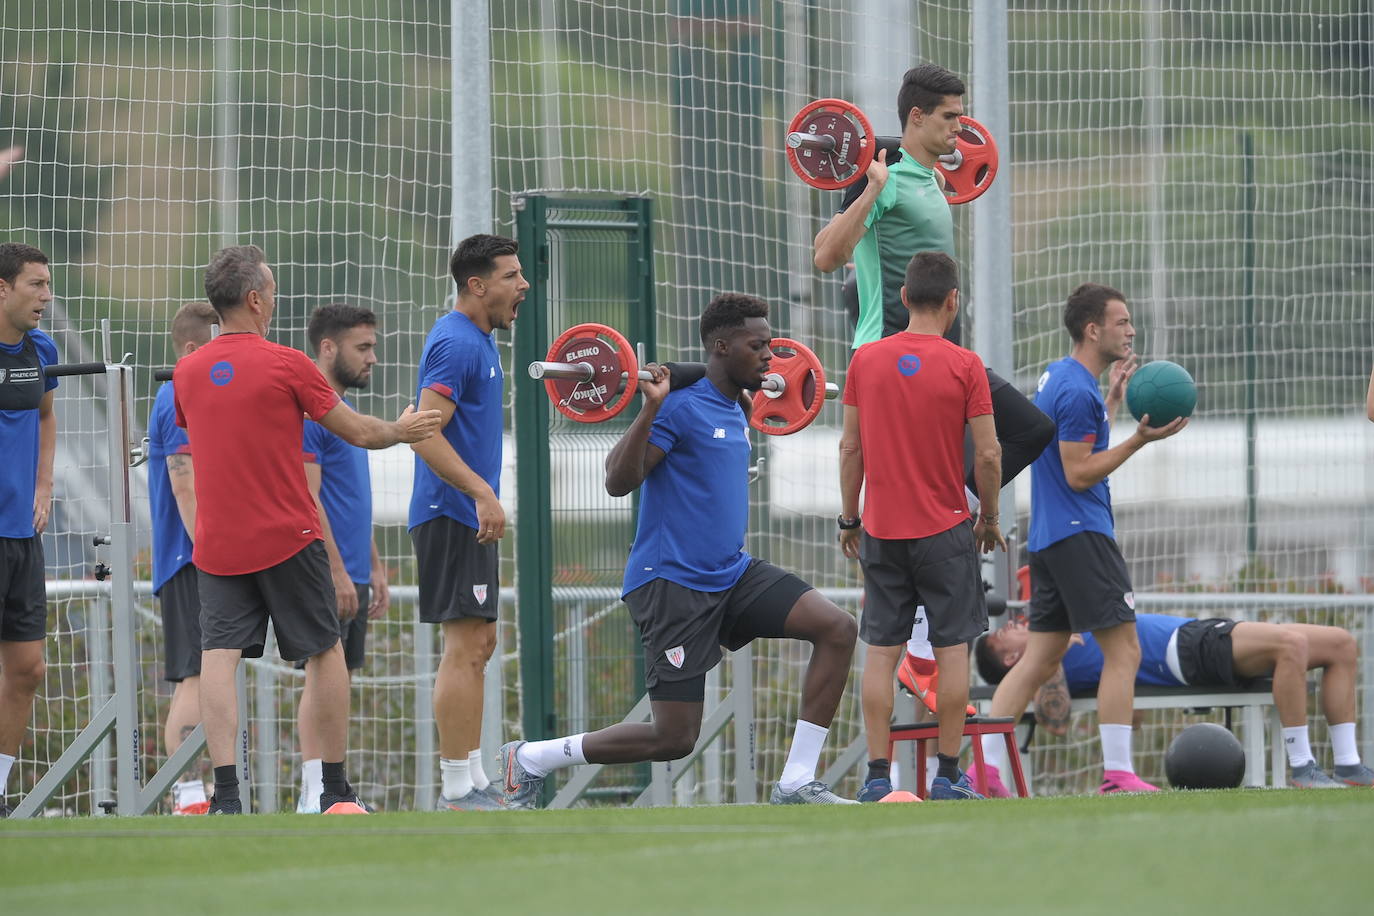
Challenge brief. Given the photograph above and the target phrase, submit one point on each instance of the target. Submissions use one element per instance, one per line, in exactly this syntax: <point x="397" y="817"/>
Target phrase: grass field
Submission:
<point x="1243" y="852"/>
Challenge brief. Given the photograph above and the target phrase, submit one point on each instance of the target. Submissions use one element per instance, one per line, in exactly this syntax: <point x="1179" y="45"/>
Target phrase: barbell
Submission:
<point x="592" y="373"/>
<point x="830" y="145"/>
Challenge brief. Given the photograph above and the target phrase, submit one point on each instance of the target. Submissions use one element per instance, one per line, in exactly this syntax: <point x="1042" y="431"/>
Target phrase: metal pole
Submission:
<point x="470" y="127"/>
<point x="992" y="218"/>
<point x="226" y="123"/>
<point x="1154" y="174"/>
<point x="98" y="656"/>
<point x="423" y="712"/>
<point x="266" y="749"/>
<point x="1247" y="235"/>
<point x="128" y="735"/>
<point x="746" y="736"/>
<point x="577" y="669"/>
<point x="241" y="742"/>
<point x="550" y="132"/>
<point x="796" y="43"/>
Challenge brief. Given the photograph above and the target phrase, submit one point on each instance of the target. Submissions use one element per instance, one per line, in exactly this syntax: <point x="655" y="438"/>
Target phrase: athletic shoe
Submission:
<point x="520" y="788"/>
<point x="1114" y="781"/>
<point x="923" y="686"/>
<point x="994" y="788"/>
<point x="944" y="790"/>
<point x="1311" y="776"/>
<point x="1356" y="774"/>
<point x="229" y="806"/>
<point x="493" y="792"/>
<point x="813" y="793"/>
<point x="476" y="800"/>
<point x="349" y="803"/>
<point x="875" y="790"/>
<point x="303" y="805"/>
<point x="193" y="808"/>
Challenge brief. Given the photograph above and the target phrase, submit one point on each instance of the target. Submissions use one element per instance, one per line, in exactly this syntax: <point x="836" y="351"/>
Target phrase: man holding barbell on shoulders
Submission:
<point x="896" y="210"/>
<point x="689" y="584"/>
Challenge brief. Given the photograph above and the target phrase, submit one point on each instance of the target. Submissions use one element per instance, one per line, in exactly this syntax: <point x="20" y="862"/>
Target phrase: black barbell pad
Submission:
<point x="683" y="375"/>
<point x="162" y="375"/>
<point x="62" y="369"/>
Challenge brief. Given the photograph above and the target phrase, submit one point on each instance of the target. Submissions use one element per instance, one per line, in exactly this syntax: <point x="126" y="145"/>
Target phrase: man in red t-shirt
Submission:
<point x="907" y="399"/>
<point x="258" y="548"/>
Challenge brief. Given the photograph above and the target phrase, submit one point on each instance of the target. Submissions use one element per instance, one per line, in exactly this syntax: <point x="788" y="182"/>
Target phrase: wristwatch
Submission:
<point x="848" y="524"/>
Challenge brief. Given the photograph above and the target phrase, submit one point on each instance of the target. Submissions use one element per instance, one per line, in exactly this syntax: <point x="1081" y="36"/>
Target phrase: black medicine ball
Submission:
<point x="1205" y="756"/>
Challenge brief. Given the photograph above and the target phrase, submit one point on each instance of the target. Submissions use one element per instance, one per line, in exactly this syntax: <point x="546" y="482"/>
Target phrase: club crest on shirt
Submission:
<point x="480" y="593"/>
<point x="676" y="656"/>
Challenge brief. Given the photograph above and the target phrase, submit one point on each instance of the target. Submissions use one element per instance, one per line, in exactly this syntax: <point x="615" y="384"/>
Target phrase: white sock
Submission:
<point x="894" y="774"/>
<point x="1343" y="747"/>
<point x="807" y="741"/>
<point x="457" y="775"/>
<point x="932" y="765"/>
<point x="6" y="762"/>
<point x="1299" y="747"/>
<point x="188" y="792"/>
<point x="479" y="775"/>
<point x="539" y="758"/>
<point x="919" y="643"/>
<point x="995" y="752"/>
<point x="1116" y="747"/>
<point x="312" y="779"/>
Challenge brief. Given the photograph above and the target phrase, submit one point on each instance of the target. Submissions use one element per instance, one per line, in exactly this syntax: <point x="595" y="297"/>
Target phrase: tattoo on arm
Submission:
<point x="1052" y="704"/>
<point x="179" y="465"/>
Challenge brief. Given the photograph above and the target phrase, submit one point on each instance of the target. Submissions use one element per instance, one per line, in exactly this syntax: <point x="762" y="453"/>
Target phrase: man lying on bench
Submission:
<point x="1182" y="652"/>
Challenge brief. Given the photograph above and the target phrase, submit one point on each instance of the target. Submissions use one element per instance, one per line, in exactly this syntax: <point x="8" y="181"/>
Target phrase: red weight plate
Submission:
<point x="978" y="166"/>
<point x="852" y="136"/>
<point x="802" y="397"/>
<point x="615" y="373"/>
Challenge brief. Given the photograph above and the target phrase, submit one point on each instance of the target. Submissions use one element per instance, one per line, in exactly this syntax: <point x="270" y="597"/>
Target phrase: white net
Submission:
<point x="154" y="132"/>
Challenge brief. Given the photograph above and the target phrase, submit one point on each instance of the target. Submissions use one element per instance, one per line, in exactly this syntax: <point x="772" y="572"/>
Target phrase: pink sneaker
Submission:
<point x="1114" y="781"/>
<point x="994" y="787"/>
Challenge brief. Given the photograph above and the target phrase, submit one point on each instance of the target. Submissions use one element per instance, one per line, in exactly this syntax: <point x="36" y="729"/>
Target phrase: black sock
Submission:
<point x="333" y="777"/>
<point x="879" y="769"/>
<point x="949" y="767"/>
<point x="226" y="783"/>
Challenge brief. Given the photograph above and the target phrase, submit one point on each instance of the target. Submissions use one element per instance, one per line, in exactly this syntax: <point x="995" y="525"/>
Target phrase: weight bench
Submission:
<point x="975" y="727"/>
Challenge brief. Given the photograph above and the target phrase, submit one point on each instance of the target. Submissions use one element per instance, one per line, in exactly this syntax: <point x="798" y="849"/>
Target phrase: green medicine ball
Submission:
<point x="1162" y="389"/>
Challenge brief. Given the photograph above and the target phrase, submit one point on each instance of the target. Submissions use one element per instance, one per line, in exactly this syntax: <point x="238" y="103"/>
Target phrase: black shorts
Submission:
<point x="939" y="571"/>
<point x="1080" y="584"/>
<point x="23" y="590"/>
<point x="353" y="632"/>
<point x="683" y="629"/>
<point x="458" y="576"/>
<point x="297" y="595"/>
<point x="179" y="601"/>
<point x="1205" y="657"/>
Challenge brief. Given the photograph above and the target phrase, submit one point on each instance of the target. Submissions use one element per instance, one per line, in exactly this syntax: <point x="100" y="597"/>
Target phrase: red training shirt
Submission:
<point x="242" y="400"/>
<point x="914" y="393"/>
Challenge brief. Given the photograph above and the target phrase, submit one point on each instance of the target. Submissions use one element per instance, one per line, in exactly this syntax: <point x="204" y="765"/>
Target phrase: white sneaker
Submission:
<point x="308" y="803"/>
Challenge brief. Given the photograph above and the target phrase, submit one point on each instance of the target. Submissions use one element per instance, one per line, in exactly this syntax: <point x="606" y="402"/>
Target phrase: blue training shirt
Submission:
<point x="171" y="542"/>
<point x="1069" y="395"/>
<point x="1083" y="664"/>
<point x="19" y="429"/>
<point x="694" y="506"/>
<point x="346" y="493"/>
<point x="460" y="363"/>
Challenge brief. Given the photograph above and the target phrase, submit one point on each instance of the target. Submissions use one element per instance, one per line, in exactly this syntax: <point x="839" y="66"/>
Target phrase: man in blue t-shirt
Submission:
<point x="456" y="518"/>
<point x="344" y="340"/>
<point x="172" y="505"/>
<point x="1079" y="579"/>
<point x="28" y="429"/>
<point x="689" y="584"/>
<point x="1216" y="652"/>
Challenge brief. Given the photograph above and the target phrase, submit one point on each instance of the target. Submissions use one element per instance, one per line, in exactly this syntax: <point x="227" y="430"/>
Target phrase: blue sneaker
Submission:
<point x="520" y="789"/>
<point x="942" y="789"/>
<point x="875" y="790"/>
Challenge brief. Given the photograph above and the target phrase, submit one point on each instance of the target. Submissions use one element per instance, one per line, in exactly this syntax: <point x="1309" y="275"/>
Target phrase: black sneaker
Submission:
<point x="343" y="804"/>
<point x="228" y="806"/>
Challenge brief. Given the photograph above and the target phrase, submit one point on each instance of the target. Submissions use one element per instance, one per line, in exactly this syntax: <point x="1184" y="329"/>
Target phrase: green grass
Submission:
<point x="1243" y="852"/>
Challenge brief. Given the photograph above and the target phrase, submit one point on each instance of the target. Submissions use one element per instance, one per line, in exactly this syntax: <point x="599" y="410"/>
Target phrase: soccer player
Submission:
<point x="1079" y="581"/>
<point x="689" y="584"/>
<point x="1218" y="652"/>
<point x="897" y="209"/>
<point x="257" y="538"/>
<point x="344" y="340"/>
<point x="916" y="537"/>
<point x="28" y="429"/>
<point x="456" y="519"/>
<point x="172" y="505"/>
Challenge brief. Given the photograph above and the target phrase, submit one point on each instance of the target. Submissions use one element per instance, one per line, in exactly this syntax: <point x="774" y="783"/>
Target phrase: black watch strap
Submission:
<point x="848" y="524"/>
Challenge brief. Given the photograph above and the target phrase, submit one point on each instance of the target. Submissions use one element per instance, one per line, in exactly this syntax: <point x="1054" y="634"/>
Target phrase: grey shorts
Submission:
<point x="23" y="590"/>
<point x="297" y="595"/>
<point x="939" y="571"/>
<point x="1080" y="584"/>
<point x="683" y="629"/>
<point x="179" y="602"/>
<point x="458" y="577"/>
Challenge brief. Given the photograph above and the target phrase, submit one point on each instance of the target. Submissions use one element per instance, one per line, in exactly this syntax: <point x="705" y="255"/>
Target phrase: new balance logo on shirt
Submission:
<point x="718" y="434"/>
